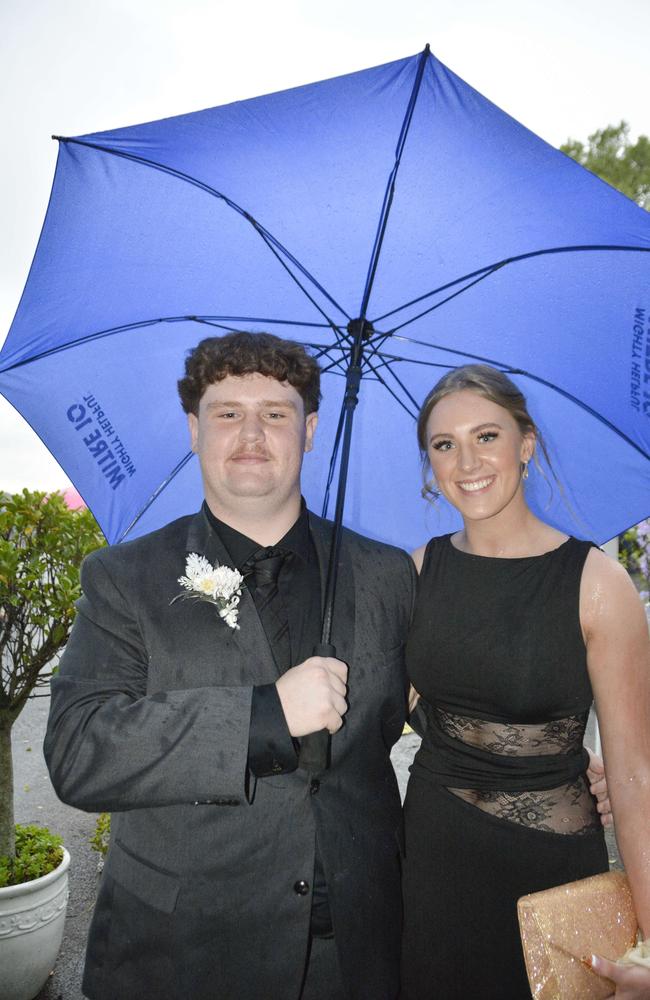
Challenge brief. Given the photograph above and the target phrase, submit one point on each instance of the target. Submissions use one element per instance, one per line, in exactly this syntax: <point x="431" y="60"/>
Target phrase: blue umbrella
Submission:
<point x="393" y="217"/>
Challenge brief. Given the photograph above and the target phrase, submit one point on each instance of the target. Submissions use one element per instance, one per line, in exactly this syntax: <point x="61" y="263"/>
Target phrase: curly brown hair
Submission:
<point x="244" y="353"/>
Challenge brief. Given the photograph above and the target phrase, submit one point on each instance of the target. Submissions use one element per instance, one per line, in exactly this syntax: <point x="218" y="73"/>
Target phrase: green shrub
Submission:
<point x="38" y="852"/>
<point x="42" y="545"/>
<point x="102" y="835"/>
<point x="634" y="553"/>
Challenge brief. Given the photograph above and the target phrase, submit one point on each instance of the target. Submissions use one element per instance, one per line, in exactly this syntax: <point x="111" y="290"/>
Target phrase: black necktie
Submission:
<point x="261" y="573"/>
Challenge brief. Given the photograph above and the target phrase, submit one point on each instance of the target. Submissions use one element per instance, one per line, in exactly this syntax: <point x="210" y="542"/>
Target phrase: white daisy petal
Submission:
<point x="220" y="585"/>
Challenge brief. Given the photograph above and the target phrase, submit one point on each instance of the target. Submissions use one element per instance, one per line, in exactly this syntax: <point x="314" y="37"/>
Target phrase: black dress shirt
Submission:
<point x="271" y="749"/>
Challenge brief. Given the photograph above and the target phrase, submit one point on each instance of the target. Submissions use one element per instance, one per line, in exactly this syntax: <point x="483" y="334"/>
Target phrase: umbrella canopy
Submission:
<point x="398" y="196"/>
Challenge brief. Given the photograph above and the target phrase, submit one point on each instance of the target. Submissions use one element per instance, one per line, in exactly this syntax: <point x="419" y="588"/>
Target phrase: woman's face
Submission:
<point x="476" y="449"/>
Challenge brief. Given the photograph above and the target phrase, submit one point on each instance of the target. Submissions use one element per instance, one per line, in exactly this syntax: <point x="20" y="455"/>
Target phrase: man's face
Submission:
<point x="250" y="435"/>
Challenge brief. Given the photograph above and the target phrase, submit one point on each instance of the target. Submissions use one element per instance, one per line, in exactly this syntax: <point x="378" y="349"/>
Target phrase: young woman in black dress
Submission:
<point x="515" y="626"/>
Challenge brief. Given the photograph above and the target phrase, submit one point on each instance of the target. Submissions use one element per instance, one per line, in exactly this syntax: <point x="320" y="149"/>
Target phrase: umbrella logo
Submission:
<point x="102" y="441"/>
<point x="640" y="397"/>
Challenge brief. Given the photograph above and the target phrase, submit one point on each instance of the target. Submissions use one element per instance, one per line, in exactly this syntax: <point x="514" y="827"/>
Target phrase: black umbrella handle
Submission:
<point x="315" y="748"/>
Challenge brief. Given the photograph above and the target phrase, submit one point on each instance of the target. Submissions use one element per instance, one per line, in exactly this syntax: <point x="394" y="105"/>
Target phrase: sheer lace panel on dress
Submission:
<point x="567" y="809"/>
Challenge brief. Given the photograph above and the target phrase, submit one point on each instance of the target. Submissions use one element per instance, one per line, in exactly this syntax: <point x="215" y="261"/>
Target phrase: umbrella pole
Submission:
<point x="350" y="400"/>
<point x="315" y="747"/>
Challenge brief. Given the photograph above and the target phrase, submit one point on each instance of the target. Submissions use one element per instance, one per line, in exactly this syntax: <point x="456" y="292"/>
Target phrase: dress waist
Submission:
<point x="448" y="761"/>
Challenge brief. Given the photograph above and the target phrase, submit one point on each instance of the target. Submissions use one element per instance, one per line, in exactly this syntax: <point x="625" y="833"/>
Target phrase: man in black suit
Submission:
<point x="233" y="871"/>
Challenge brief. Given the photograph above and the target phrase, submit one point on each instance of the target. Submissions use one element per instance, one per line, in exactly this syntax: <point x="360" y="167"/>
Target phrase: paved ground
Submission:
<point x="37" y="803"/>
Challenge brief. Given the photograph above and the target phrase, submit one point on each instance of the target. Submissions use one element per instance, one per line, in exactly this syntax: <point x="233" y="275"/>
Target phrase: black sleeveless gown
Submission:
<point x="497" y="803"/>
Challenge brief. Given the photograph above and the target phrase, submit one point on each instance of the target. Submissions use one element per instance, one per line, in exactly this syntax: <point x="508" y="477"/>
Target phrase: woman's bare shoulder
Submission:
<point x="607" y="593"/>
<point x="603" y="569"/>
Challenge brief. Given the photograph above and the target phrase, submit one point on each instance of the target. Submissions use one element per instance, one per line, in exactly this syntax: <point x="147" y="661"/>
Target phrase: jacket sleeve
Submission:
<point x="111" y="746"/>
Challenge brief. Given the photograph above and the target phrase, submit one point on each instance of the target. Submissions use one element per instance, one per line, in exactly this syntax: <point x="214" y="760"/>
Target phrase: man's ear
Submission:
<point x="311" y="423"/>
<point x="193" y="425"/>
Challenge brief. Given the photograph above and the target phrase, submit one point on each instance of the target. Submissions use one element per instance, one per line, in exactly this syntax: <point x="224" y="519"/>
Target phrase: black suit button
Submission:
<point x="301" y="888"/>
<point x="276" y="767"/>
<point x="314" y="785"/>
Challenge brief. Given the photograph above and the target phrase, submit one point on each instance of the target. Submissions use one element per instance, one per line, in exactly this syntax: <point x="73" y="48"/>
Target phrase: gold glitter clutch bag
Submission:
<point x="563" y="925"/>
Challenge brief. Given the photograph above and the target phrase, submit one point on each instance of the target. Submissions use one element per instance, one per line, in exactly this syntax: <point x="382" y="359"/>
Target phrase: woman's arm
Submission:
<point x="618" y="659"/>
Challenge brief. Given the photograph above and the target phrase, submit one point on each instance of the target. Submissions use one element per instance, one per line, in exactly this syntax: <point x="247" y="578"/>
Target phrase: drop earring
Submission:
<point x="524" y="474"/>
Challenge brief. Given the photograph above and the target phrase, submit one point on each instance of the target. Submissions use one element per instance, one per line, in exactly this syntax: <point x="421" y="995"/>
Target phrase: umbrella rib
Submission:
<point x="336" y="368"/>
<point x="141" y="324"/>
<point x="386" y="363"/>
<point x="98" y="335"/>
<point x="490" y="268"/>
<point x="582" y="405"/>
<point x="376" y="342"/>
<point x="270" y="244"/>
<point x="429" y="364"/>
<point x="219" y="320"/>
<point x="180" y="175"/>
<point x="390" y="187"/>
<point x="165" y="483"/>
<point x="333" y="362"/>
<point x="340" y="339"/>
<point x="383" y="381"/>
<point x="319" y="349"/>
<point x="437" y="305"/>
<point x="504" y="366"/>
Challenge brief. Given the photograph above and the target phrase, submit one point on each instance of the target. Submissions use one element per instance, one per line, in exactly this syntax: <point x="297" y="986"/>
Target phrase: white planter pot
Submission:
<point x="31" y="928"/>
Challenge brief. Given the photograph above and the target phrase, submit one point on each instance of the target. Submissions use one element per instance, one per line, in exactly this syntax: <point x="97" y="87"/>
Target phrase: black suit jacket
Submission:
<point x="201" y="893"/>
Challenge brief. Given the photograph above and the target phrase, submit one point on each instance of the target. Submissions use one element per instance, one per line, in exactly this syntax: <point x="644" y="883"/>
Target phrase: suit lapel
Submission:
<point x="250" y="637"/>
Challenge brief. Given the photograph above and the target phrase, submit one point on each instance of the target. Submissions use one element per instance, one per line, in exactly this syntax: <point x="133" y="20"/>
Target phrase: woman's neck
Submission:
<point x="509" y="534"/>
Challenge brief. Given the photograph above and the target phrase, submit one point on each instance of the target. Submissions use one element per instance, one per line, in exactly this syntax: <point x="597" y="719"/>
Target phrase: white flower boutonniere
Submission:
<point x="218" y="585"/>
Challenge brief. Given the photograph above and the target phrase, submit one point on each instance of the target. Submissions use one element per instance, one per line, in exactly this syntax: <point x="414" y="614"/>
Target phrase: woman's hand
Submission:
<point x="632" y="981"/>
<point x="598" y="787"/>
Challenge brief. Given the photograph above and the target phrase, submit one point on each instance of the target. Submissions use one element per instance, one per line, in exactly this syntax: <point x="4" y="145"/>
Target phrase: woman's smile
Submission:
<point x="475" y="485"/>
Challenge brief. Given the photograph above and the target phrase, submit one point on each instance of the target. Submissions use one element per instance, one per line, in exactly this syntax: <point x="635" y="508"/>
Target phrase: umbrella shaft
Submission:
<point x="349" y="403"/>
